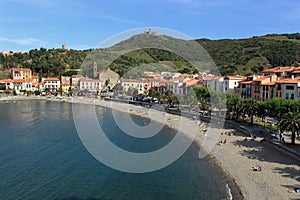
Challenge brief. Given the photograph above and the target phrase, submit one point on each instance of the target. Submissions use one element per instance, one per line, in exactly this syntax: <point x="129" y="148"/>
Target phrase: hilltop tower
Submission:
<point x="64" y="46"/>
<point x="150" y="32"/>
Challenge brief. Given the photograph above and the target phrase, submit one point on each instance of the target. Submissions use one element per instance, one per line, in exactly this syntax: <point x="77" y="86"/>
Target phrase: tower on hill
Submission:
<point x="150" y="32"/>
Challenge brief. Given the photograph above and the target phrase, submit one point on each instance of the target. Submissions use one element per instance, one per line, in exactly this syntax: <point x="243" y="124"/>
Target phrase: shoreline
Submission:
<point x="230" y="160"/>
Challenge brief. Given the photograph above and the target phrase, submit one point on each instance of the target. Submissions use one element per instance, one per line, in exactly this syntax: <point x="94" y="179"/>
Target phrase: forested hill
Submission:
<point x="241" y="56"/>
<point x="246" y="56"/>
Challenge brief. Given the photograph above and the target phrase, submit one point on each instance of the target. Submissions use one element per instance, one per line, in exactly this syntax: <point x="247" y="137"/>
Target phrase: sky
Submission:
<point x="83" y="24"/>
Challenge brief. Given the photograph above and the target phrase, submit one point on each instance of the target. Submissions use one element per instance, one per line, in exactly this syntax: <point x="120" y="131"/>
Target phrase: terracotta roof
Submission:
<point x="262" y="78"/>
<point x="22" y="69"/>
<point x="34" y="77"/>
<point x="288" y="80"/>
<point x="5" y="81"/>
<point x="51" y="79"/>
<point x="175" y="80"/>
<point x="280" y="69"/>
<point x="235" y="77"/>
<point x="246" y="82"/>
<point x="208" y="78"/>
<point x="192" y="82"/>
<point x="269" y="83"/>
<point x="20" y="80"/>
<point x="187" y="74"/>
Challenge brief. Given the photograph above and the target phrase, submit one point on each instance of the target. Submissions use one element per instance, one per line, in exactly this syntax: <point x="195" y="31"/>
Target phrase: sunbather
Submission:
<point x="256" y="168"/>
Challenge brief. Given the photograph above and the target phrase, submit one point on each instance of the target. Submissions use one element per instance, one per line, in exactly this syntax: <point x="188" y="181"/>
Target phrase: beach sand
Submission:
<point x="280" y="171"/>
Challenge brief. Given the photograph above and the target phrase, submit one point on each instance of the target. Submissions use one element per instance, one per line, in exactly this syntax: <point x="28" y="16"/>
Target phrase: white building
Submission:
<point x="214" y="83"/>
<point x="289" y="88"/>
<point x="90" y="84"/>
<point x="175" y="85"/>
<point x="231" y="82"/>
<point x="142" y="86"/>
<point x="53" y="84"/>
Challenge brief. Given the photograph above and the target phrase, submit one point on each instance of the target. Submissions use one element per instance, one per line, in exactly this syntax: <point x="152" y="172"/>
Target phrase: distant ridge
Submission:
<point x="232" y="56"/>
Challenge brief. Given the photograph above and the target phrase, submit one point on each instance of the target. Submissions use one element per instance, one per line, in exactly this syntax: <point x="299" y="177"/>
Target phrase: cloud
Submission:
<point x="25" y="41"/>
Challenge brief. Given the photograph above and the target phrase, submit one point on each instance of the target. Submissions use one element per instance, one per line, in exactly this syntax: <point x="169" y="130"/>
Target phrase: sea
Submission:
<point x="42" y="157"/>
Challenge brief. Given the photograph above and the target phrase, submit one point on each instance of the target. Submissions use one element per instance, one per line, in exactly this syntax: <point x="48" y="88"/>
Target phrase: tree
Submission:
<point x="60" y="90"/>
<point x="251" y="108"/>
<point x="290" y="122"/>
<point x="232" y="103"/>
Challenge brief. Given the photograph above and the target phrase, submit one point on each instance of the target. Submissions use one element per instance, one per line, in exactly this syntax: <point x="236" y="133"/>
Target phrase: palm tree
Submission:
<point x="262" y="113"/>
<point x="233" y="103"/>
<point x="290" y="122"/>
<point x="252" y="108"/>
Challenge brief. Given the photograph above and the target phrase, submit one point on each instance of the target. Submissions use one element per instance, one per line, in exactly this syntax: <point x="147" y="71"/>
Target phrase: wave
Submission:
<point x="230" y="197"/>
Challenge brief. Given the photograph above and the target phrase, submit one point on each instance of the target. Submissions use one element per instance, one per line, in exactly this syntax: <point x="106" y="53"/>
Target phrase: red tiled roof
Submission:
<point x="192" y="82"/>
<point x="175" y="80"/>
<point x="269" y="83"/>
<point x="22" y="69"/>
<point x="6" y="81"/>
<point x="51" y="79"/>
<point x="20" y="80"/>
<point x="246" y="82"/>
<point x="280" y="69"/>
<point x="235" y="77"/>
<point x="262" y="78"/>
<point x="288" y="80"/>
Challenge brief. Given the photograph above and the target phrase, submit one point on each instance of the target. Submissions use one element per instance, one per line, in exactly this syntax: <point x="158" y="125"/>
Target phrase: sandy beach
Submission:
<point x="280" y="171"/>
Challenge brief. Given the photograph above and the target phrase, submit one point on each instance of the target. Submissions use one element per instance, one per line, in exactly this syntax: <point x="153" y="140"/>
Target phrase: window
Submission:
<point x="289" y="87"/>
<point x="279" y="87"/>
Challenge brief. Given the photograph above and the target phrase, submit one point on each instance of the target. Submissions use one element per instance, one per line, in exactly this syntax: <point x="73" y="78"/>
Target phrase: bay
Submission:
<point x="42" y="157"/>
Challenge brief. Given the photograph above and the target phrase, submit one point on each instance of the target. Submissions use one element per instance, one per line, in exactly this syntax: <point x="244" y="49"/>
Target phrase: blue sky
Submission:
<point x="29" y="24"/>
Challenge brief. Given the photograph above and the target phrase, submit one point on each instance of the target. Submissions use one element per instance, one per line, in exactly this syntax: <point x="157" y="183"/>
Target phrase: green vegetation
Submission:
<point x="248" y="56"/>
<point x="49" y="62"/>
<point x="255" y="112"/>
<point x="290" y="122"/>
<point x="243" y="56"/>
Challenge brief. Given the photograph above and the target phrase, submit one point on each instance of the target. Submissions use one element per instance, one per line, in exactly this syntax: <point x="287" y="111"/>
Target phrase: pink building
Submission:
<point x="20" y="73"/>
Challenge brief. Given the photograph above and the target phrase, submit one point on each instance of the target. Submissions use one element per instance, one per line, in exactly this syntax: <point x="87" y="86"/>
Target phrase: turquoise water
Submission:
<point x="42" y="157"/>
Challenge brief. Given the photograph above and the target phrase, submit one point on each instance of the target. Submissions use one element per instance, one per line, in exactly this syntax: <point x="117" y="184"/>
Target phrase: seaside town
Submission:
<point x="154" y="100"/>
<point x="281" y="82"/>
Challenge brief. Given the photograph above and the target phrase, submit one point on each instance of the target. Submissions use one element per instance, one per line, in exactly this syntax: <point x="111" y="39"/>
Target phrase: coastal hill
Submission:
<point x="231" y="56"/>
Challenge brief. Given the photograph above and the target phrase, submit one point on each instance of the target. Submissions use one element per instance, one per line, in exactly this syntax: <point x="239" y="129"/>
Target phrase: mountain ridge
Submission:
<point x="231" y="56"/>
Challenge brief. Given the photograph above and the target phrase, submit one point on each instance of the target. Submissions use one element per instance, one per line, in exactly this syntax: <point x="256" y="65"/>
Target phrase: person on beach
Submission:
<point x="294" y="190"/>
<point x="256" y="168"/>
<point x="222" y="142"/>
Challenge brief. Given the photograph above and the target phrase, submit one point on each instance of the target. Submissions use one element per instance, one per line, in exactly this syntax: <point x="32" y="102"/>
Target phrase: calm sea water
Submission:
<point x="42" y="157"/>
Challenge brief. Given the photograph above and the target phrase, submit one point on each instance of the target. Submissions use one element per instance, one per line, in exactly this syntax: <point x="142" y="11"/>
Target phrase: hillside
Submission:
<point x="241" y="56"/>
<point x="247" y="56"/>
